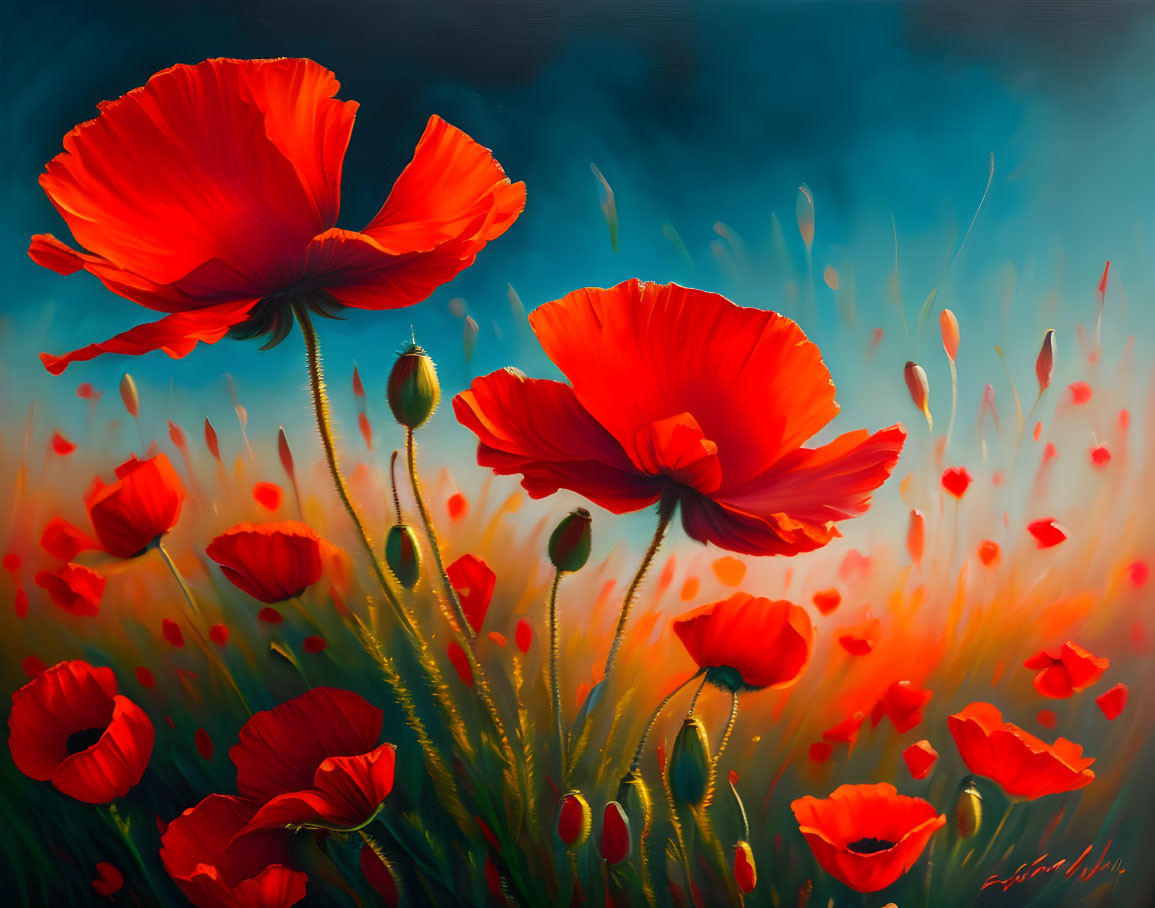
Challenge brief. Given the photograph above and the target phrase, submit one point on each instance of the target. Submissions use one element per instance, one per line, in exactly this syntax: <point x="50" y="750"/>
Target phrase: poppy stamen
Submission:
<point x="870" y="846"/>
<point x="82" y="740"/>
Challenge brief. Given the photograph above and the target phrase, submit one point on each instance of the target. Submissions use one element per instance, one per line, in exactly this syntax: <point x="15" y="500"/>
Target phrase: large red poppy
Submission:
<point x="315" y="761"/>
<point x="128" y="516"/>
<point x="269" y="561"/>
<point x="867" y="836"/>
<point x="680" y="393"/>
<point x="1065" y="671"/>
<point x="70" y="727"/>
<point x="212" y="193"/>
<point x="215" y="871"/>
<point x="747" y="642"/>
<point x="1023" y="765"/>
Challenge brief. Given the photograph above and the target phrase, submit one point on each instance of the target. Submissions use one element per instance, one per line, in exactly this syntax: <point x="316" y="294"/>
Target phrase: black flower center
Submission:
<point x="82" y="740"/>
<point x="870" y="846"/>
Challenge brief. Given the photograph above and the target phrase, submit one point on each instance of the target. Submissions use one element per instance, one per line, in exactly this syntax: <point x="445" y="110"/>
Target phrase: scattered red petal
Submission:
<point x="314" y="644"/>
<point x="1049" y="453"/>
<point x="1100" y="455"/>
<point x="989" y="552"/>
<point x="219" y="634"/>
<point x="457" y="505"/>
<point x="1047" y="532"/>
<point x="956" y="480"/>
<point x="1038" y="430"/>
<point x="270" y="615"/>
<point x="859" y="639"/>
<point x="108" y="879"/>
<point x="524" y="636"/>
<point x="268" y="495"/>
<point x="733" y="777"/>
<point x="1113" y="701"/>
<point x="1080" y="392"/>
<point x="145" y="677"/>
<point x="62" y="445"/>
<point x="820" y="751"/>
<point x="366" y="429"/>
<point x="204" y="744"/>
<point x="1137" y="573"/>
<point x="32" y="666"/>
<point x="84" y="391"/>
<point x="497" y="637"/>
<point x="826" y="601"/>
<point x="920" y="758"/>
<point x="172" y="632"/>
<point x="1047" y="718"/>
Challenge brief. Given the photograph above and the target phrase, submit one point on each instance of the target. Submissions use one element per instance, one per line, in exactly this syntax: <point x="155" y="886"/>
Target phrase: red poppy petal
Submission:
<point x="1112" y="701"/>
<point x="269" y="561"/>
<point x="538" y="428"/>
<point x="74" y="587"/>
<point x="176" y="335"/>
<point x="474" y="582"/>
<point x="739" y="531"/>
<point x="641" y="352"/>
<point x="204" y="162"/>
<point x="62" y="540"/>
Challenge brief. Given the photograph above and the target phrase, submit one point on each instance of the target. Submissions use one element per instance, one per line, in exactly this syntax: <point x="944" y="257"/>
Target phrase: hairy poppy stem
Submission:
<point x="697" y="694"/>
<point x="321" y="409"/>
<point x="554" y="674"/>
<point x="729" y="726"/>
<point x="654" y="718"/>
<point x="666" y="513"/>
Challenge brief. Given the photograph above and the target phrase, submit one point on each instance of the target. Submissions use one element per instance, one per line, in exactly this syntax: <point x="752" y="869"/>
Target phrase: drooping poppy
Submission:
<point x="1065" y="671"/>
<point x="474" y="582"/>
<point x="1023" y="765"/>
<point x="747" y="642"/>
<point x="128" y="516"/>
<point x="315" y="761"/>
<point x="681" y="395"/>
<point x="216" y="870"/>
<point x="212" y="194"/>
<point x="74" y="587"/>
<point x="867" y="836"/>
<point x="269" y="561"/>
<point x="70" y="727"/>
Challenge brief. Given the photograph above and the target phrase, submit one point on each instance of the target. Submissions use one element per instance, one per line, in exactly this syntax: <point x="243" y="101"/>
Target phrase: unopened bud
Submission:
<point x="413" y="389"/>
<point x="745" y="873"/>
<point x="690" y="762"/>
<point x="569" y="546"/>
<point x="402" y="555"/>
<point x="919" y="387"/>
<point x="1045" y="363"/>
<point x="615" y="843"/>
<point x="968" y="811"/>
<point x="950" y="333"/>
<point x="574" y="819"/>
<point x="129" y="395"/>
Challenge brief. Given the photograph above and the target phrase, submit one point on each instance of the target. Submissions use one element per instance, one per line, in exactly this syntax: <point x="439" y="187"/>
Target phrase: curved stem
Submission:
<point x="729" y="726"/>
<point x="450" y="592"/>
<point x="554" y="673"/>
<point x="694" y="702"/>
<point x="654" y="718"/>
<point x="666" y="514"/>
<point x="321" y="409"/>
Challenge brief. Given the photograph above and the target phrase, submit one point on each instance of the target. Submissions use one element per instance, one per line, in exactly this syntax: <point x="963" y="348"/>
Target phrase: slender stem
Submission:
<point x="393" y="485"/>
<point x="321" y="409"/>
<point x="729" y="726"/>
<point x="666" y="513"/>
<point x="697" y="694"/>
<point x="450" y="592"/>
<point x="995" y="835"/>
<point x="654" y="718"/>
<point x="554" y="674"/>
<point x="198" y="620"/>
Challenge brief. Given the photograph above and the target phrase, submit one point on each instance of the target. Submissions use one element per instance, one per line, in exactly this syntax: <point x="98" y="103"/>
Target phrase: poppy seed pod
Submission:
<point x="574" y="820"/>
<point x="569" y="545"/>
<point x="402" y="555"/>
<point x="968" y="811"/>
<point x="615" y="843"/>
<point x="690" y="762"/>
<point x="413" y="389"/>
<point x="745" y="873"/>
<point x="634" y="796"/>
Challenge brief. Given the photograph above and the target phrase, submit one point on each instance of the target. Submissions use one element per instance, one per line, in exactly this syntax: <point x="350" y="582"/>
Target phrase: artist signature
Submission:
<point x="1076" y="869"/>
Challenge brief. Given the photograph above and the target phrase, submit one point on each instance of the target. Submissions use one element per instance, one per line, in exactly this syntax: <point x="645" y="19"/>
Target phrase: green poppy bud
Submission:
<point x="574" y="819"/>
<point x="634" y="796"/>
<point x="413" y="390"/>
<point x="968" y="810"/>
<point x="690" y="762"/>
<point x="402" y="555"/>
<point x="569" y="546"/>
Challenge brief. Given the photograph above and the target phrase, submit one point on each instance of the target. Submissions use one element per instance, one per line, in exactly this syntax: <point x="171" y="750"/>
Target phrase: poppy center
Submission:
<point x="726" y="677"/>
<point x="82" y="740"/>
<point x="870" y="846"/>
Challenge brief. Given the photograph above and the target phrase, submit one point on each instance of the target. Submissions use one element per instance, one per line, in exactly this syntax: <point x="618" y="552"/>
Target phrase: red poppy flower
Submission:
<point x="680" y="394"/>
<point x="1066" y="670"/>
<point x="867" y="836"/>
<point x="70" y="727"/>
<point x="1023" y="765"/>
<point x="956" y="480"/>
<point x="269" y="561"/>
<point x="215" y="870"/>
<point x="128" y="516"/>
<point x="473" y="581"/>
<point x="746" y="642"/>
<point x="74" y="587"/>
<point x="314" y="760"/>
<point x="212" y="193"/>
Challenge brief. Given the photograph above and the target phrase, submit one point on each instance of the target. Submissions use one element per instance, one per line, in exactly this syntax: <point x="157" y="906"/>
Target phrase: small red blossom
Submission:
<point x="61" y="445"/>
<point x="826" y="601"/>
<point x="1047" y="532"/>
<point x="523" y="636"/>
<point x="314" y="644"/>
<point x="172" y="632"/>
<point x="1112" y="701"/>
<point x="989" y="552"/>
<point x="74" y="587"/>
<point x="474" y="582"/>
<point x="920" y="758"/>
<point x="457" y="506"/>
<point x="268" y="495"/>
<point x="219" y="634"/>
<point x="956" y="480"/>
<point x="1100" y="455"/>
<point x="615" y="840"/>
<point x="70" y="727"/>
<point x="1065" y="671"/>
<point x="271" y="562"/>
